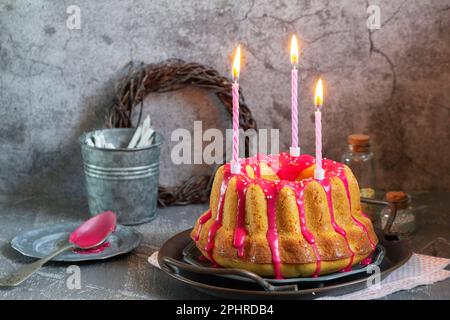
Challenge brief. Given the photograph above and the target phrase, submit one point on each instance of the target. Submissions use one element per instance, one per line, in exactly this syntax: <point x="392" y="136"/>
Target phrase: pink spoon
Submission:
<point x="90" y="234"/>
<point x="94" y="231"/>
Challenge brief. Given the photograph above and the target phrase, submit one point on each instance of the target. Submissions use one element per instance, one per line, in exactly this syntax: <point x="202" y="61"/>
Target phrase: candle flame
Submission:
<point x="318" y="98"/>
<point x="236" y="64"/>
<point x="294" y="50"/>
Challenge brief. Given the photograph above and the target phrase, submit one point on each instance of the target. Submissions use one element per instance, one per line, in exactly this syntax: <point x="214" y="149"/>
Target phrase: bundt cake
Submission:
<point x="276" y="220"/>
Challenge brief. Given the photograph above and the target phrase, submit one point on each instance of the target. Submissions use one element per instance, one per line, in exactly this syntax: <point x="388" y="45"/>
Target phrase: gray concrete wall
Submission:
<point x="393" y="83"/>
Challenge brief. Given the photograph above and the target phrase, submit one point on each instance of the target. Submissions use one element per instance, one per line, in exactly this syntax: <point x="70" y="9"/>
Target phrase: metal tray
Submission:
<point x="192" y="256"/>
<point x="170" y="258"/>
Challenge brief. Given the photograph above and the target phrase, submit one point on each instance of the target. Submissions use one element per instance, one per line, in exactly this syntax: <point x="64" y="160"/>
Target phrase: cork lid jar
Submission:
<point x="359" y="142"/>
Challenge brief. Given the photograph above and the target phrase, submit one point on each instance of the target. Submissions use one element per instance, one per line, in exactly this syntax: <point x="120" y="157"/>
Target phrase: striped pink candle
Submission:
<point x="319" y="173"/>
<point x="294" y="150"/>
<point x="235" y="92"/>
<point x="318" y="123"/>
<point x="235" y="166"/>
<point x="294" y="105"/>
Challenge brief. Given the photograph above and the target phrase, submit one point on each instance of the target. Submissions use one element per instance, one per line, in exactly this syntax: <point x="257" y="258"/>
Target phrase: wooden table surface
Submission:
<point x="131" y="277"/>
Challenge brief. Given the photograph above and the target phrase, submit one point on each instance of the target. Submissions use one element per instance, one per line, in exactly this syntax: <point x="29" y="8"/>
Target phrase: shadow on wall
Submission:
<point x="62" y="169"/>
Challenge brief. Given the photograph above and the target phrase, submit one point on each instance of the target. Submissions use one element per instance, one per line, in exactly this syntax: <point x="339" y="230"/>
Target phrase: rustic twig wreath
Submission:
<point x="171" y="75"/>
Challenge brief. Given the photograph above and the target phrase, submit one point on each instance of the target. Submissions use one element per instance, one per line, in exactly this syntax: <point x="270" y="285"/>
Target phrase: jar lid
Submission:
<point x="396" y="196"/>
<point x="399" y="197"/>
<point x="362" y="140"/>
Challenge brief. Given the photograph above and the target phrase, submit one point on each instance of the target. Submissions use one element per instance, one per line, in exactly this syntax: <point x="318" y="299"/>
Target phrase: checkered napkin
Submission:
<point x="153" y="260"/>
<point x="419" y="270"/>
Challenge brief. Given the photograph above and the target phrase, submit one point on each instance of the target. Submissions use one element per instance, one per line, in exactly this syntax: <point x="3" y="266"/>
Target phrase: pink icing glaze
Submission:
<point x="201" y="221"/>
<point x="240" y="233"/>
<point x="366" y="261"/>
<point x="344" y="180"/>
<point x="299" y="194"/>
<point x="364" y="215"/>
<point x="217" y="222"/>
<point x="327" y="187"/>
<point x="270" y="189"/>
<point x="362" y="226"/>
<point x="287" y="169"/>
<point x="98" y="249"/>
<point x="291" y="167"/>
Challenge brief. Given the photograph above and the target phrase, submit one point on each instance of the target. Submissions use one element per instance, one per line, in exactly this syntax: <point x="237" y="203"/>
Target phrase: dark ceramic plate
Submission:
<point x="193" y="256"/>
<point x="397" y="252"/>
<point x="38" y="243"/>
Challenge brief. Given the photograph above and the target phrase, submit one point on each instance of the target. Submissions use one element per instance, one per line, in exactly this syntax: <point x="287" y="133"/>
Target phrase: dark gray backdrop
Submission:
<point x="393" y="83"/>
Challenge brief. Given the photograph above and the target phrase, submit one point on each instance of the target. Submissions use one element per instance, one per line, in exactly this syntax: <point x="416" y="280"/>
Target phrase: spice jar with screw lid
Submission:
<point x="405" y="221"/>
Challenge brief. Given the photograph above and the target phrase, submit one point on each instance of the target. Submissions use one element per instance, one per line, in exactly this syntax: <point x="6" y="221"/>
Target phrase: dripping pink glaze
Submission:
<point x="299" y="194"/>
<point x="327" y="187"/>
<point x="362" y="226"/>
<point x="364" y="215"/>
<point x="366" y="261"/>
<point x="287" y="169"/>
<point x="201" y="221"/>
<point x="227" y="175"/>
<point x="98" y="249"/>
<point x="240" y="233"/>
<point x="217" y="222"/>
<point x="343" y="177"/>
<point x="270" y="190"/>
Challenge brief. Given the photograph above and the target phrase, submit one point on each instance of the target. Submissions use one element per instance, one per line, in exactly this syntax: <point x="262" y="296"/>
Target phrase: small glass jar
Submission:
<point x="360" y="159"/>
<point x="404" y="223"/>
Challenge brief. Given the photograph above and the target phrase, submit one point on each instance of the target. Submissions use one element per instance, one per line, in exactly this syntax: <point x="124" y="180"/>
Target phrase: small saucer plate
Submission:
<point x="38" y="243"/>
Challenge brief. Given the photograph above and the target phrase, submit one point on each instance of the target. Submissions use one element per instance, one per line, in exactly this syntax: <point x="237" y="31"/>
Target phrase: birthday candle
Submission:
<point x="235" y="166"/>
<point x="319" y="173"/>
<point x="294" y="150"/>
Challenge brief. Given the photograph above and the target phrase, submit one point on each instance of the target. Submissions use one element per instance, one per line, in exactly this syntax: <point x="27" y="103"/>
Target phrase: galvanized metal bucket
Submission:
<point x="122" y="180"/>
